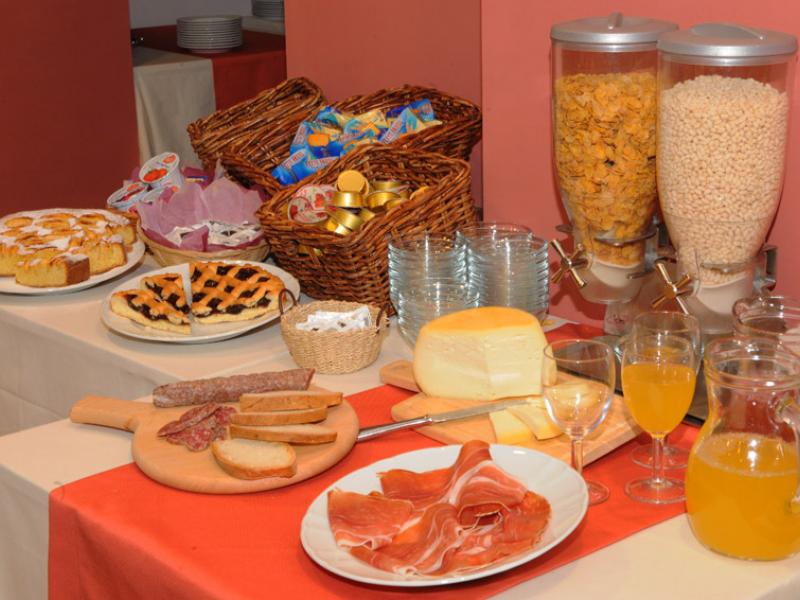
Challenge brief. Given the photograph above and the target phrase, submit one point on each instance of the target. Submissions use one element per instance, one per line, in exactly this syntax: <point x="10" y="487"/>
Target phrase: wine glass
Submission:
<point x="578" y="386"/>
<point x="658" y="377"/>
<point x="671" y="323"/>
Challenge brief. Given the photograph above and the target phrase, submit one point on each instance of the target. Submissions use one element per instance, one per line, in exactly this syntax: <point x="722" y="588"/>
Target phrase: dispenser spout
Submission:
<point x="672" y="290"/>
<point x="570" y="263"/>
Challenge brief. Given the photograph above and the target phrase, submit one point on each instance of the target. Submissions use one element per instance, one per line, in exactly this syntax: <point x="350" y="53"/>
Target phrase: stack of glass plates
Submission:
<point x="210" y="34"/>
<point x="268" y="9"/>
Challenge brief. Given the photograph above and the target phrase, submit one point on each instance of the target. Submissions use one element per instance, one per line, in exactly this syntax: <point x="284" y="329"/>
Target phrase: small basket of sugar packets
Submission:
<point x="332" y="336"/>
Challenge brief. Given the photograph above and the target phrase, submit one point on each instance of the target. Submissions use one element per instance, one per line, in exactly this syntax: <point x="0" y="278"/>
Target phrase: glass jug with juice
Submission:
<point x="742" y="482"/>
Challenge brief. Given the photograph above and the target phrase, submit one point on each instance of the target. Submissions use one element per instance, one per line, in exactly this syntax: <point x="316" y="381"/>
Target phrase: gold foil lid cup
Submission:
<point x="394" y="203"/>
<point x="377" y="200"/>
<point x="386" y="185"/>
<point x="332" y="225"/>
<point x="352" y="181"/>
<point x="347" y="199"/>
<point x="366" y="214"/>
<point x="346" y="219"/>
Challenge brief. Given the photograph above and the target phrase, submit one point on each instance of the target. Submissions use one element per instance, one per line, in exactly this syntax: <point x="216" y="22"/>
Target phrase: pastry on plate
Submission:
<point x="146" y="308"/>
<point x="56" y="270"/>
<point x="232" y="292"/>
<point x="168" y="287"/>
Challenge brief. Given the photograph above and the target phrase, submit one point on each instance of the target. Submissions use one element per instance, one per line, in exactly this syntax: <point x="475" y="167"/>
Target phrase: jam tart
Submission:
<point x="146" y="308"/>
<point x="232" y="292"/>
<point x="168" y="287"/>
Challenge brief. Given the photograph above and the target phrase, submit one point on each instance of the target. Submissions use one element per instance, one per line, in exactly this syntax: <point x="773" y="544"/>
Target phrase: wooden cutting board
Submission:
<point x="615" y="430"/>
<point x="179" y="467"/>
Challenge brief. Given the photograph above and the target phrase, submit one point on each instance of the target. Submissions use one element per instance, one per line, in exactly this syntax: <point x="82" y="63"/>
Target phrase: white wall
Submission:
<point x="146" y="13"/>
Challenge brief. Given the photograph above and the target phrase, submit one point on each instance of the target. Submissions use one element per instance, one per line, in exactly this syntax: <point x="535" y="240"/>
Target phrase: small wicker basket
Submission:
<point x="167" y="257"/>
<point x="331" y="352"/>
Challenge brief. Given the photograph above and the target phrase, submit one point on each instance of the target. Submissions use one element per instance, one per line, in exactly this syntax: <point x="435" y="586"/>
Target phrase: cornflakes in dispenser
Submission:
<point x="605" y="144"/>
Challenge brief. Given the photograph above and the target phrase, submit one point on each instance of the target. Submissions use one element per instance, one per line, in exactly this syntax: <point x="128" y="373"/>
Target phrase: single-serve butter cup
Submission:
<point x="127" y="197"/>
<point x="347" y="199"/>
<point x="162" y="170"/>
<point x="378" y="200"/>
<point x="352" y="181"/>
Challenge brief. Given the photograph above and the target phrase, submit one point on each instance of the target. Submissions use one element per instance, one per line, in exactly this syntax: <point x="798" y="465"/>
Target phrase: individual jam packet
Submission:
<point x="299" y="166"/>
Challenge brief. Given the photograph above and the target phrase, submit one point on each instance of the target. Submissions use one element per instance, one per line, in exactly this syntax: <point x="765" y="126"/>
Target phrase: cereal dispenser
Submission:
<point x="604" y="147"/>
<point x="723" y="109"/>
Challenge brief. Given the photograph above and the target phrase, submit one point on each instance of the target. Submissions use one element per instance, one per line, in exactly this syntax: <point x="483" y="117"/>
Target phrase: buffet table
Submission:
<point x="655" y="563"/>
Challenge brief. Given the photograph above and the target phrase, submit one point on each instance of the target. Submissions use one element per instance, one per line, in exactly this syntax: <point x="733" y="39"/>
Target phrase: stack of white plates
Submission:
<point x="268" y="9"/>
<point x="210" y="34"/>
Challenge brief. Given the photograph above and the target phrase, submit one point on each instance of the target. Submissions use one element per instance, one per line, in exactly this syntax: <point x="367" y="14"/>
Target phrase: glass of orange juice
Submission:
<point x="658" y="322"/>
<point x="577" y="386"/>
<point x="658" y="377"/>
<point x="742" y="484"/>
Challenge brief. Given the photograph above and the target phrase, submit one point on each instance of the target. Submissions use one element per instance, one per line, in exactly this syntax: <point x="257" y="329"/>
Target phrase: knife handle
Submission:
<point x="370" y="432"/>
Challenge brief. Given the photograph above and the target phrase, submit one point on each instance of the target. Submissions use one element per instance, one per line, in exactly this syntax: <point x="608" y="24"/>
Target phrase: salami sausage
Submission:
<point x="228" y="389"/>
<point x="199" y="435"/>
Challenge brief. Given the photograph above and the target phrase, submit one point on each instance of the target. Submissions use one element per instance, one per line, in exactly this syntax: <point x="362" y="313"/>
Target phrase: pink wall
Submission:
<point x="68" y="118"/>
<point x="359" y="46"/>
<point x="517" y="177"/>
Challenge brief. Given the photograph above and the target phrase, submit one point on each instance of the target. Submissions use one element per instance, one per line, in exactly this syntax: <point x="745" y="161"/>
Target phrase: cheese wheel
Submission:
<point x="480" y="354"/>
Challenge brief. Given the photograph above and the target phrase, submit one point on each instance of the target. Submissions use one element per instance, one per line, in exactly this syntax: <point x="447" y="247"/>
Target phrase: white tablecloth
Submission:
<point x="172" y="90"/>
<point x="664" y="561"/>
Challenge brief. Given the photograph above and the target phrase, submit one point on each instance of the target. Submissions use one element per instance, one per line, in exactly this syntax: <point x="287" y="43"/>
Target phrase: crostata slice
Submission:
<point x="146" y="308"/>
<point x="228" y="292"/>
<point x="168" y="287"/>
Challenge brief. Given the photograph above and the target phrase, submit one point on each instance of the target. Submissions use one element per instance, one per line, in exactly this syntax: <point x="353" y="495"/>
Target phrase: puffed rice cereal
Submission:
<point x="605" y="145"/>
<point x="721" y="152"/>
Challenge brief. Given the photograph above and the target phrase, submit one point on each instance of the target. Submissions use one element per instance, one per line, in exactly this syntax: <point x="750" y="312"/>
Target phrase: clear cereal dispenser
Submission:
<point x="604" y="146"/>
<point x="724" y="93"/>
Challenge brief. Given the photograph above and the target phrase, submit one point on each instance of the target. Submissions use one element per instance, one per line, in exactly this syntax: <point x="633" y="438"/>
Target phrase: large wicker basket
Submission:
<point x="455" y="137"/>
<point x="354" y="267"/>
<point x="260" y="128"/>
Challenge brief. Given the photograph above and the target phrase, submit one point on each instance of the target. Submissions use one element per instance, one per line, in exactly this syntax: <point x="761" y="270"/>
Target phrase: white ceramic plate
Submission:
<point x="9" y="286"/>
<point x="200" y="333"/>
<point x="543" y="474"/>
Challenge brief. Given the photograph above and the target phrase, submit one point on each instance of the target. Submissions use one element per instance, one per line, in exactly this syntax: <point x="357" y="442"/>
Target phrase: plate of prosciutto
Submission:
<point x="444" y="515"/>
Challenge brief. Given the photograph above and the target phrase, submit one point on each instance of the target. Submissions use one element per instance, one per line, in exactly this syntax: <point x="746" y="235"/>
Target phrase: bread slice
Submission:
<point x="281" y="417"/>
<point x="293" y="434"/>
<point x="248" y="459"/>
<point x="288" y="400"/>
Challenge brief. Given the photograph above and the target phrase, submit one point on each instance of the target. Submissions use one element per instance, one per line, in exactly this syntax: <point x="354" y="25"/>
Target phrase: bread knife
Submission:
<point x="465" y="413"/>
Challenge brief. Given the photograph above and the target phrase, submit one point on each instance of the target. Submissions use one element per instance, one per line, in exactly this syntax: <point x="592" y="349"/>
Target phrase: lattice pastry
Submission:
<point x="146" y="308"/>
<point x="168" y="287"/>
<point x="226" y="292"/>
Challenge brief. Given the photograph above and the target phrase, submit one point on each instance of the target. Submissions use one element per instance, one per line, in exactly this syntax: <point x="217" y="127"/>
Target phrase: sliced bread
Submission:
<point x="291" y="400"/>
<point x="281" y="417"/>
<point x="293" y="434"/>
<point x="248" y="459"/>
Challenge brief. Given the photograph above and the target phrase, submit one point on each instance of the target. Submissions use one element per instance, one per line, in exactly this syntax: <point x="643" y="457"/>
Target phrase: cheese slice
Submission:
<point x="535" y="416"/>
<point x="508" y="429"/>
<point x="481" y="354"/>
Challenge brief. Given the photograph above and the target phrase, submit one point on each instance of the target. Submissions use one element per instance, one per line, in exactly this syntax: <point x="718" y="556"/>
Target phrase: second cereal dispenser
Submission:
<point x="724" y="98"/>
<point x="604" y="146"/>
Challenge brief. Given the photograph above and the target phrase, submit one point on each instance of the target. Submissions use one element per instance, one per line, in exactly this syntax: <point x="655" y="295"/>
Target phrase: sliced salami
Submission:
<point x="189" y="418"/>
<point x="199" y="435"/>
<point x="228" y="389"/>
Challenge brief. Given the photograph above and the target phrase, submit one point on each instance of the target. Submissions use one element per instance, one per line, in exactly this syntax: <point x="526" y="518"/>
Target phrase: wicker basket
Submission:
<point x="354" y="267"/>
<point x="260" y="128"/>
<point x="332" y="352"/>
<point x="167" y="257"/>
<point x="455" y="137"/>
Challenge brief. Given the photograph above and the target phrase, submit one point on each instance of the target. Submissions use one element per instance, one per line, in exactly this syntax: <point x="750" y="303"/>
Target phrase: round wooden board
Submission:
<point x="179" y="467"/>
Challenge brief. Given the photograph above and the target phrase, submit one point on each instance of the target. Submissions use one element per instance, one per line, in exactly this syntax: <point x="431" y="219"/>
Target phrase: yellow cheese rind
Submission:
<point x="535" y="416"/>
<point x="481" y="354"/>
<point x="508" y="429"/>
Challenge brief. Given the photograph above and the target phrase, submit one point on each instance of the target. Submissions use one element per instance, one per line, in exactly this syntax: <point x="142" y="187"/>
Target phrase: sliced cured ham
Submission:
<point x="463" y="517"/>
<point x="371" y="521"/>
<point x="474" y="485"/>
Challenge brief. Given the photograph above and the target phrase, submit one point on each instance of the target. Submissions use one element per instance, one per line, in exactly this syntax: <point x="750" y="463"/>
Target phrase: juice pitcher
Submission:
<point x="742" y="482"/>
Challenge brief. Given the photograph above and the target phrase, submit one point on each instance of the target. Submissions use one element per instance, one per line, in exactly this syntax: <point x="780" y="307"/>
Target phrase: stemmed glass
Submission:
<point x="578" y="386"/>
<point x="667" y="323"/>
<point x="658" y="377"/>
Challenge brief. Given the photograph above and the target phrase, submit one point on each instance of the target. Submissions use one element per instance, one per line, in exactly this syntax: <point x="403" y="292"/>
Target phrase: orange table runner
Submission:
<point x="119" y="534"/>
